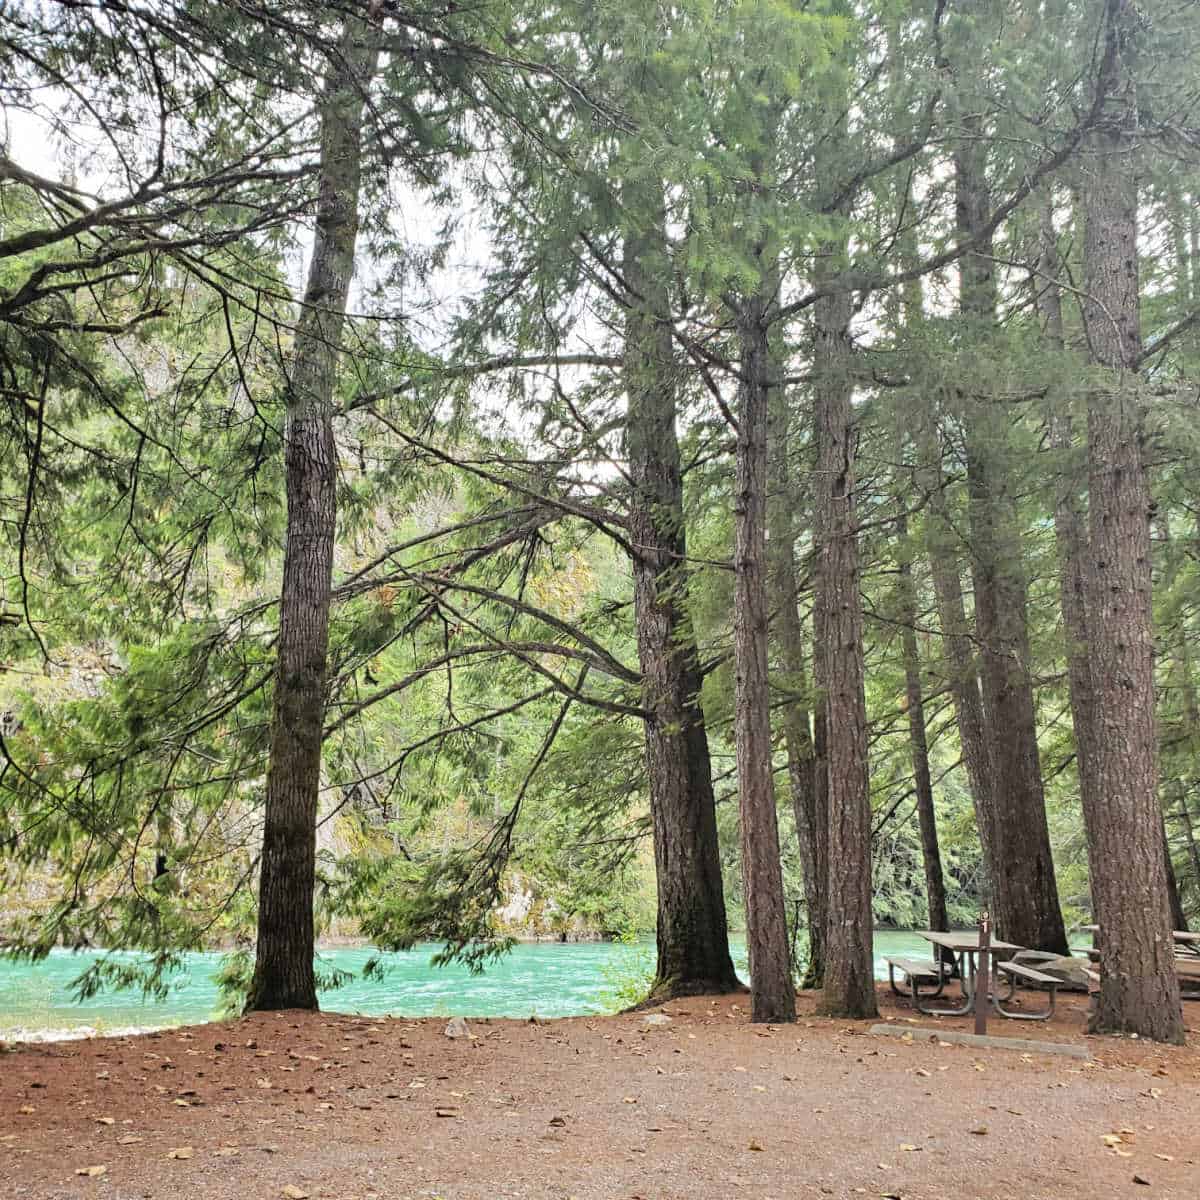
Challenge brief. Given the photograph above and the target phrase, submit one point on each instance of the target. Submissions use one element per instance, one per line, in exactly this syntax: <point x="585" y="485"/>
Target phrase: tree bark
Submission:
<point x="1024" y="889"/>
<point x="1185" y="736"/>
<point x="1070" y="533"/>
<point x="820" y="782"/>
<point x="772" y="992"/>
<point x="935" y="884"/>
<point x="283" y="972"/>
<point x="1139" y="990"/>
<point x="1174" y="900"/>
<point x="1189" y="834"/>
<point x="849" y="986"/>
<point x="1190" y="745"/>
<point x="811" y="818"/>
<point x="963" y="677"/>
<point x="693" y="939"/>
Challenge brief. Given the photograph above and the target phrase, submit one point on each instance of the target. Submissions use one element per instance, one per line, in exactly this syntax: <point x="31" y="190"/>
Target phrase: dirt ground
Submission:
<point x="346" y="1108"/>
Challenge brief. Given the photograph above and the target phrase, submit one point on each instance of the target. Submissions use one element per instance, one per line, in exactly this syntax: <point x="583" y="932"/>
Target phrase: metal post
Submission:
<point x="983" y="976"/>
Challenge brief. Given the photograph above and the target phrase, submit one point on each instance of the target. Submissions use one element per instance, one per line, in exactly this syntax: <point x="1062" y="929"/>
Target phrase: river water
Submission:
<point x="546" y="979"/>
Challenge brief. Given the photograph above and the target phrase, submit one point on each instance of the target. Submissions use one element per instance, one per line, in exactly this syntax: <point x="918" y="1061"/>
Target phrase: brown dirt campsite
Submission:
<point x="706" y="1105"/>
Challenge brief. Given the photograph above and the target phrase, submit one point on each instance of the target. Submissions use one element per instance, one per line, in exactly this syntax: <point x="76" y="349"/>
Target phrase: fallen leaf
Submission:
<point x="1112" y="1139"/>
<point x="26" y="1109"/>
<point x="181" y="1152"/>
<point x="181" y="1103"/>
<point x="905" y="1146"/>
<point x="1142" y="1180"/>
<point x="91" y="1172"/>
<point x="558" y="1122"/>
<point x="1166" y="1157"/>
<point x="754" y="1145"/>
<point x="979" y="1130"/>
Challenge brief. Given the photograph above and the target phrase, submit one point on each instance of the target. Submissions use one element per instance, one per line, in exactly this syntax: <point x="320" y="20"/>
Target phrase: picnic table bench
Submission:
<point x="1027" y="974"/>
<point x="914" y="970"/>
<point x="1186" y="960"/>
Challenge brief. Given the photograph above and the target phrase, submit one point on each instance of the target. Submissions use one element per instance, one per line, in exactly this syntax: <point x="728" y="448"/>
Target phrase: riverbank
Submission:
<point x="701" y="1106"/>
<point x="545" y="979"/>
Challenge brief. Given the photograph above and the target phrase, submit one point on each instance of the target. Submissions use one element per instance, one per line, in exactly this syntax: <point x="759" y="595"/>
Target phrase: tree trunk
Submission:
<point x="1189" y="834"/>
<point x="849" y="987"/>
<point x="941" y="546"/>
<point x="693" y="940"/>
<point x="1139" y="991"/>
<point x="1174" y="900"/>
<point x="283" y="971"/>
<point x="1190" y="744"/>
<point x="807" y="804"/>
<point x="1183" y="737"/>
<point x="1024" y="890"/>
<point x="935" y="885"/>
<point x="1070" y="534"/>
<point x="815" y="975"/>
<point x="772" y="993"/>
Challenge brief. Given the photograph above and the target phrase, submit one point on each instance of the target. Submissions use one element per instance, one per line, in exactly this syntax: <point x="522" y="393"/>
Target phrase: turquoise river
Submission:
<point x="546" y="979"/>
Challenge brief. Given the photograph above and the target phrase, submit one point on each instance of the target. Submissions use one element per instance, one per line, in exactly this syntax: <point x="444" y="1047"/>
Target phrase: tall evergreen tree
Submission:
<point x="1139" y="990"/>
<point x="283" y="971"/>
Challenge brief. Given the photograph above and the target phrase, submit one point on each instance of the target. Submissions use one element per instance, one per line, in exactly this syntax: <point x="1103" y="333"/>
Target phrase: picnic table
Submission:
<point x="965" y="949"/>
<point x="1187" y="943"/>
<point x="964" y="946"/>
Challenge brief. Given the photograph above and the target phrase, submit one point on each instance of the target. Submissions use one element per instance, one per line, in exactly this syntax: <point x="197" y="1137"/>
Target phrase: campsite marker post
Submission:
<point x="983" y="976"/>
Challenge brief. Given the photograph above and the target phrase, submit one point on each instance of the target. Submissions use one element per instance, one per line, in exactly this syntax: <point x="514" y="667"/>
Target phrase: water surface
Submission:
<point x="546" y="979"/>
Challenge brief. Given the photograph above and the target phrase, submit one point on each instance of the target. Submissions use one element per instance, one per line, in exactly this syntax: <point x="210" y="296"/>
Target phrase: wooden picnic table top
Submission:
<point x="1180" y="935"/>
<point x="963" y="939"/>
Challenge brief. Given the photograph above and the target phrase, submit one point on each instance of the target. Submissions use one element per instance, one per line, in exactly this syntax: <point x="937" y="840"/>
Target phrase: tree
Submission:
<point x="693" y="944"/>
<point x="772" y="992"/>
<point x="283" y="972"/>
<point x="1025" y="894"/>
<point x="806" y="776"/>
<point x="1139" y="991"/>
<point x="849" y="980"/>
<point x="935" y="885"/>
